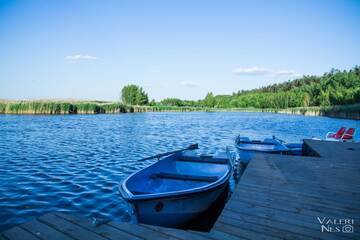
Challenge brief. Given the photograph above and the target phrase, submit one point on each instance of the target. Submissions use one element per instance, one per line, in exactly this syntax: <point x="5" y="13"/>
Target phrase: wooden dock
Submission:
<point x="278" y="197"/>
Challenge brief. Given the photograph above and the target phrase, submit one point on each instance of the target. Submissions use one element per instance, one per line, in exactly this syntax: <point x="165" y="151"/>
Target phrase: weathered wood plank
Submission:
<point x="68" y="228"/>
<point x="140" y="231"/>
<point x="307" y="169"/>
<point x="218" y="235"/>
<point x="249" y="207"/>
<point x="17" y="233"/>
<point x="102" y="229"/>
<point x="292" y="219"/>
<point x="269" y="211"/>
<point x="304" y="183"/>
<point x="285" y="195"/>
<point x="272" y="231"/>
<point x="177" y="233"/>
<point x="43" y="231"/>
<point x="244" y="191"/>
<point x="242" y="232"/>
<point x="285" y="171"/>
<point x="302" y="231"/>
<point x="334" y="149"/>
<point x="304" y="208"/>
<point x="315" y="196"/>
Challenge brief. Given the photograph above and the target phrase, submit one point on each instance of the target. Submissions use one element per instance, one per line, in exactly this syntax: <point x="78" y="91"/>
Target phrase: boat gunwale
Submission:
<point x="284" y="150"/>
<point x="263" y="151"/>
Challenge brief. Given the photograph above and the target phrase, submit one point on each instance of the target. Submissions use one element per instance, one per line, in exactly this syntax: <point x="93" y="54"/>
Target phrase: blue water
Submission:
<point x="74" y="163"/>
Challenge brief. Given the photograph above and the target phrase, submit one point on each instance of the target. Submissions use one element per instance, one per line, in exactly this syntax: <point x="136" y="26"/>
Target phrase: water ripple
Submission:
<point x="75" y="163"/>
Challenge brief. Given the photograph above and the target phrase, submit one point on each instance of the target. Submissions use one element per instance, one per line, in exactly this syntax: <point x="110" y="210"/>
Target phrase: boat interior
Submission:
<point x="178" y="172"/>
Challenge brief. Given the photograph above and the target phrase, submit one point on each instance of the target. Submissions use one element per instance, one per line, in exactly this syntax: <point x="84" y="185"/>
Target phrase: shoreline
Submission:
<point x="97" y="107"/>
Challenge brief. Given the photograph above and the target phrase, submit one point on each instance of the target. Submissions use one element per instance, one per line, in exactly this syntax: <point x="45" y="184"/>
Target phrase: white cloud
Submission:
<point x="257" y="71"/>
<point x="189" y="84"/>
<point x="252" y="71"/>
<point x="284" y="73"/>
<point x="79" y="57"/>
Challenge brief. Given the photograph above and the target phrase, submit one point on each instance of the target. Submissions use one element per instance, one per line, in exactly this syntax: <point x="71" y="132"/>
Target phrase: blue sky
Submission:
<point x="90" y="49"/>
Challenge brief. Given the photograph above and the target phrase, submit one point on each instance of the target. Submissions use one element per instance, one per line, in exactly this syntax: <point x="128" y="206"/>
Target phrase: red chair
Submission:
<point x="349" y="134"/>
<point x="336" y="136"/>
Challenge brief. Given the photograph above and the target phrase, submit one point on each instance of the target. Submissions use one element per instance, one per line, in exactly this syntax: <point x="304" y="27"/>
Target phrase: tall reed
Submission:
<point x="96" y="107"/>
<point x="59" y="107"/>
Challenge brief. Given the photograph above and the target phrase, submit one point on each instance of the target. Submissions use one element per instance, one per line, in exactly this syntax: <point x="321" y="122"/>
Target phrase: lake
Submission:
<point x="75" y="162"/>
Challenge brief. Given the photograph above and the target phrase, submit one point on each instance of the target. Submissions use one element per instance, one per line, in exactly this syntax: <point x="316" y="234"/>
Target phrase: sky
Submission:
<point x="84" y="49"/>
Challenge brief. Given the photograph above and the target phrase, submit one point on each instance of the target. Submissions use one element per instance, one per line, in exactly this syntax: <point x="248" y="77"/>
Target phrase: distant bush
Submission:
<point x="134" y="95"/>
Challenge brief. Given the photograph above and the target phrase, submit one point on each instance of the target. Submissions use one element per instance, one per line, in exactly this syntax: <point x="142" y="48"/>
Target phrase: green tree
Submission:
<point x="332" y="88"/>
<point x="134" y="95"/>
<point x="209" y="100"/>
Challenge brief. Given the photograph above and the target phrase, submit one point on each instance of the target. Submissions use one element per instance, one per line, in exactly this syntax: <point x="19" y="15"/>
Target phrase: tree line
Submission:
<point x="332" y="88"/>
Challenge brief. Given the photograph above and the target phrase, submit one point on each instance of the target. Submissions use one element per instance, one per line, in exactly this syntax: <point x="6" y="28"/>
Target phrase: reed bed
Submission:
<point x="59" y="107"/>
<point x="97" y="107"/>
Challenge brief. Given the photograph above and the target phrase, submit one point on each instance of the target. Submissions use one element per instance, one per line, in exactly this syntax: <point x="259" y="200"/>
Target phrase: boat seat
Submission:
<point x="184" y="177"/>
<point x="203" y="160"/>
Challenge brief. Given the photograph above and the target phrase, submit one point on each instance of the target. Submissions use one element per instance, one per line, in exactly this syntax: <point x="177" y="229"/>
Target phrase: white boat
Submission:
<point x="173" y="191"/>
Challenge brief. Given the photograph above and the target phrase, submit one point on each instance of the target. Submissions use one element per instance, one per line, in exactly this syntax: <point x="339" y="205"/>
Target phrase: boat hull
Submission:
<point x="176" y="211"/>
<point x="173" y="191"/>
<point x="248" y="151"/>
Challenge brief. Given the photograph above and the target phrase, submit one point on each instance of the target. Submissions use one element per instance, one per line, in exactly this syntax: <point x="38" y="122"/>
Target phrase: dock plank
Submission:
<point x="218" y="235"/>
<point x="272" y="192"/>
<point x="140" y="231"/>
<point x="271" y="231"/>
<point x="291" y="204"/>
<point x="69" y="228"/>
<point x="269" y="213"/>
<point x="294" y="230"/>
<point x="242" y="232"/>
<point x="177" y="233"/>
<point x="298" y="197"/>
<point x="17" y="233"/>
<point x="283" y="195"/>
<point x="43" y="231"/>
<point x="103" y="229"/>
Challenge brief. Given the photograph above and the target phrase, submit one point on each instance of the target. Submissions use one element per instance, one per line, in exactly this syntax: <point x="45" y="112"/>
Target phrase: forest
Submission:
<point x="333" y="88"/>
<point x="335" y="91"/>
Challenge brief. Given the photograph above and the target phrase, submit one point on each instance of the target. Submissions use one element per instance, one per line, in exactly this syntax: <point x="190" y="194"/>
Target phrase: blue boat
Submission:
<point x="268" y="145"/>
<point x="176" y="189"/>
<point x="248" y="148"/>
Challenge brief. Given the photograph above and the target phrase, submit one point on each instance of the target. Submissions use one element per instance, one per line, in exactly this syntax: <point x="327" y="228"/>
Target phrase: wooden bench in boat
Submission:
<point x="184" y="177"/>
<point x="203" y="159"/>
